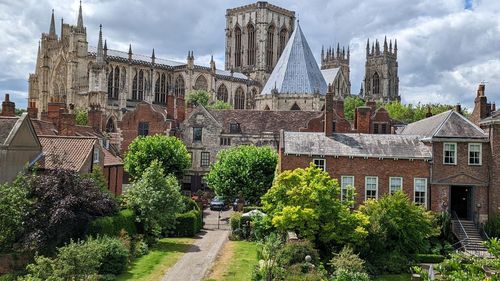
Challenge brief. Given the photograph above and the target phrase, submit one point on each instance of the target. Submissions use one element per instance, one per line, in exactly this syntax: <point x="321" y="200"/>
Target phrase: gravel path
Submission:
<point x="200" y="257"/>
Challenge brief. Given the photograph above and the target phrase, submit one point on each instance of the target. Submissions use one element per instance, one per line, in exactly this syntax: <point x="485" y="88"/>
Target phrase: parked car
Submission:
<point x="217" y="204"/>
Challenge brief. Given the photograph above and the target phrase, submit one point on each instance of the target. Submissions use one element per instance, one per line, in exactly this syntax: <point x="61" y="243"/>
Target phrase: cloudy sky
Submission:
<point x="446" y="47"/>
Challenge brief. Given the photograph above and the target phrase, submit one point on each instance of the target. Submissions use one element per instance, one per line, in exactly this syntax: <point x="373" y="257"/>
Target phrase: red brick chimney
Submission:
<point x="181" y="114"/>
<point x="362" y="119"/>
<point x="95" y="118"/>
<point x="481" y="108"/>
<point x="372" y="105"/>
<point x="32" y="110"/>
<point x="66" y="124"/>
<point x="338" y="107"/>
<point x="329" y="111"/>
<point x="170" y="106"/>
<point x="8" y="107"/>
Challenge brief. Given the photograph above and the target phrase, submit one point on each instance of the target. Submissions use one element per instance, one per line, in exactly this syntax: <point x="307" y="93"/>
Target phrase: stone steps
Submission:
<point x="474" y="244"/>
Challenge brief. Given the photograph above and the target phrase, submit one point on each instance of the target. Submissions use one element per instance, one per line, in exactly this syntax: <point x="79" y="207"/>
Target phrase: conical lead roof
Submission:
<point x="296" y="70"/>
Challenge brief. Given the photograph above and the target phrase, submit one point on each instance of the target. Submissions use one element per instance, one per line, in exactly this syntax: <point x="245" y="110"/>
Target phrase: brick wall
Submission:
<point x="494" y="196"/>
<point x="114" y="175"/>
<point x="142" y="113"/>
<point x="360" y="168"/>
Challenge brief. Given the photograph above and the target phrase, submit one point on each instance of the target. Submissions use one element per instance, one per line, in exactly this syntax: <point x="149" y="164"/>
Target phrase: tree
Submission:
<point x="244" y="170"/>
<point x="81" y="117"/>
<point x="398" y="228"/>
<point x="307" y="201"/>
<point x="218" y="105"/>
<point x="63" y="205"/>
<point x="155" y="199"/>
<point x="15" y="208"/>
<point x="350" y="104"/>
<point x="198" y="97"/>
<point x="169" y="151"/>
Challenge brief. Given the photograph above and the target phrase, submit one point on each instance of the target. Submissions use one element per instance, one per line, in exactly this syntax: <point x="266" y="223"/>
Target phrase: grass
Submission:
<point x="393" y="277"/>
<point x="236" y="262"/>
<point x="160" y="258"/>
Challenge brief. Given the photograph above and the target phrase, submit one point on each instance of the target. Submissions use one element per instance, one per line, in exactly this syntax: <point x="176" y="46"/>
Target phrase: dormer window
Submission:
<point x="234" y="128"/>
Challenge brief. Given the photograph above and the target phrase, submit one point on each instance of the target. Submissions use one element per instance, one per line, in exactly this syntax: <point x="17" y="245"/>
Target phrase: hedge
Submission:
<point x="113" y="225"/>
<point x="429" y="258"/>
<point x="247" y="209"/>
<point x="188" y="224"/>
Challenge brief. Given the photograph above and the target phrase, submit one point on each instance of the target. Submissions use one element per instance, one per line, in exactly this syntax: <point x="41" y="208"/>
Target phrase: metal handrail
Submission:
<point x="454" y="214"/>
<point x="465" y="243"/>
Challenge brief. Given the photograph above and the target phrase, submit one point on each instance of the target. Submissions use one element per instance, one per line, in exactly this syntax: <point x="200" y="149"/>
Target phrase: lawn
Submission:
<point x="160" y="258"/>
<point x="236" y="262"/>
<point x="397" y="277"/>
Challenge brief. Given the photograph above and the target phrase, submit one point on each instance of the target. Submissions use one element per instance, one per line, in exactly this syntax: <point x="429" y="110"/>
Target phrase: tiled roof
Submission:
<point x="69" y="153"/>
<point x="110" y="159"/>
<point x="6" y="126"/>
<point x="449" y="124"/>
<point x="356" y="145"/>
<point x="297" y="71"/>
<point x="260" y="121"/>
<point x="46" y="128"/>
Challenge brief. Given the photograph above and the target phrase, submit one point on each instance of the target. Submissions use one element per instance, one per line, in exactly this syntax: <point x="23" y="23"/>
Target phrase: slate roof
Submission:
<point x="69" y="153"/>
<point x="6" y="126"/>
<point x="449" y="124"/>
<point x="494" y="117"/>
<point x="355" y="145"/>
<point x="296" y="71"/>
<point x="330" y="74"/>
<point x="261" y="121"/>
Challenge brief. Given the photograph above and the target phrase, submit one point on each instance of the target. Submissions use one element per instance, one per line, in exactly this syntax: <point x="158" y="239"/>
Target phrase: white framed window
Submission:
<point x="420" y="191"/>
<point x="371" y="188"/>
<point x="320" y="164"/>
<point x="347" y="188"/>
<point x="395" y="184"/>
<point x="450" y="153"/>
<point x="475" y="155"/>
<point x="96" y="155"/>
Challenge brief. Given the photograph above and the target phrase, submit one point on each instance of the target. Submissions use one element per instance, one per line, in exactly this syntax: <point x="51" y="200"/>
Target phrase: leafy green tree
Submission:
<point x="219" y="105"/>
<point x="81" y="117"/>
<point x="169" y="151"/>
<point x="244" y="170"/>
<point x="397" y="227"/>
<point x="98" y="177"/>
<point x="350" y="104"/>
<point x="15" y="208"/>
<point x="19" y="111"/>
<point x="155" y="199"/>
<point x="198" y="97"/>
<point x="307" y="201"/>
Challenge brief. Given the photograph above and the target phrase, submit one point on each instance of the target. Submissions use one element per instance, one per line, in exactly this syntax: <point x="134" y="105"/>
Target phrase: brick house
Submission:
<point x="444" y="162"/>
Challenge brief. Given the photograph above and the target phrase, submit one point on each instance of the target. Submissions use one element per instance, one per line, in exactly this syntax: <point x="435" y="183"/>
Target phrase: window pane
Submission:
<point x="320" y="163"/>
<point x="395" y="184"/>
<point x="197" y="133"/>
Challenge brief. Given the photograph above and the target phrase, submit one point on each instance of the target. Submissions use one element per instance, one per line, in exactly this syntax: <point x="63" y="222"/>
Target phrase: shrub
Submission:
<point x="347" y="260"/>
<point x="295" y="252"/>
<point x="346" y="275"/>
<point x="235" y="221"/>
<point x="187" y="224"/>
<point x="429" y="258"/>
<point x="7" y="277"/>
<point x="113" y="225"/>
<point x="303" y="272"/>
<point x="247" y="209"/>
<point x="83" y="260"/>
<point x="492" y="227"/>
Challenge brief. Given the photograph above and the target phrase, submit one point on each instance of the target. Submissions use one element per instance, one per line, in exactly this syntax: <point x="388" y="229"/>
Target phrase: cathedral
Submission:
<point x="268" y="66"/>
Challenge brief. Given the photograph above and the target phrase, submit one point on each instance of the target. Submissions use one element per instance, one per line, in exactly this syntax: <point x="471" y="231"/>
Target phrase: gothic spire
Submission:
<point x="52" y="29"/>
<point x="79" y="23"/>
<point x="105" y="48"/>
<point x="396" y="47"/>
<point x="338" y="49"/>
<point x="153" y="57"/>
<point x="367" y="46"/>
<point x="390" y="46"/>
<point x="322" y="53"/>
<point x="100" y="52"/>
<point x="38" y="56"/>
<point x="385" y="44"/>
<point x="130" y="51"/>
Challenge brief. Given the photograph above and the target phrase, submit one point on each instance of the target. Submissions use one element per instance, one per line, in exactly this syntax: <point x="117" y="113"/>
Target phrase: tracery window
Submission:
<point x="251" y="45"/>
<point x="376" y="84"/>
<point x="282" y="42"/>
<point x="113" y="83"/>
<point x="201" y="83"/>
<point x="138" y="85"/>
<point x="237" y="46"/>
<point x="179" y="89"/>
<point x="222" y="93"/>
<point x="270" y="46"/>
<point x="239" y="99"/>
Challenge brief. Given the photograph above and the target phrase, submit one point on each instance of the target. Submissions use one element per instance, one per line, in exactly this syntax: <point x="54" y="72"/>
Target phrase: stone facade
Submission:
<point x="73" y="73"/>
<point x="381" y="82"/>
<point x="256" y="35"/>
